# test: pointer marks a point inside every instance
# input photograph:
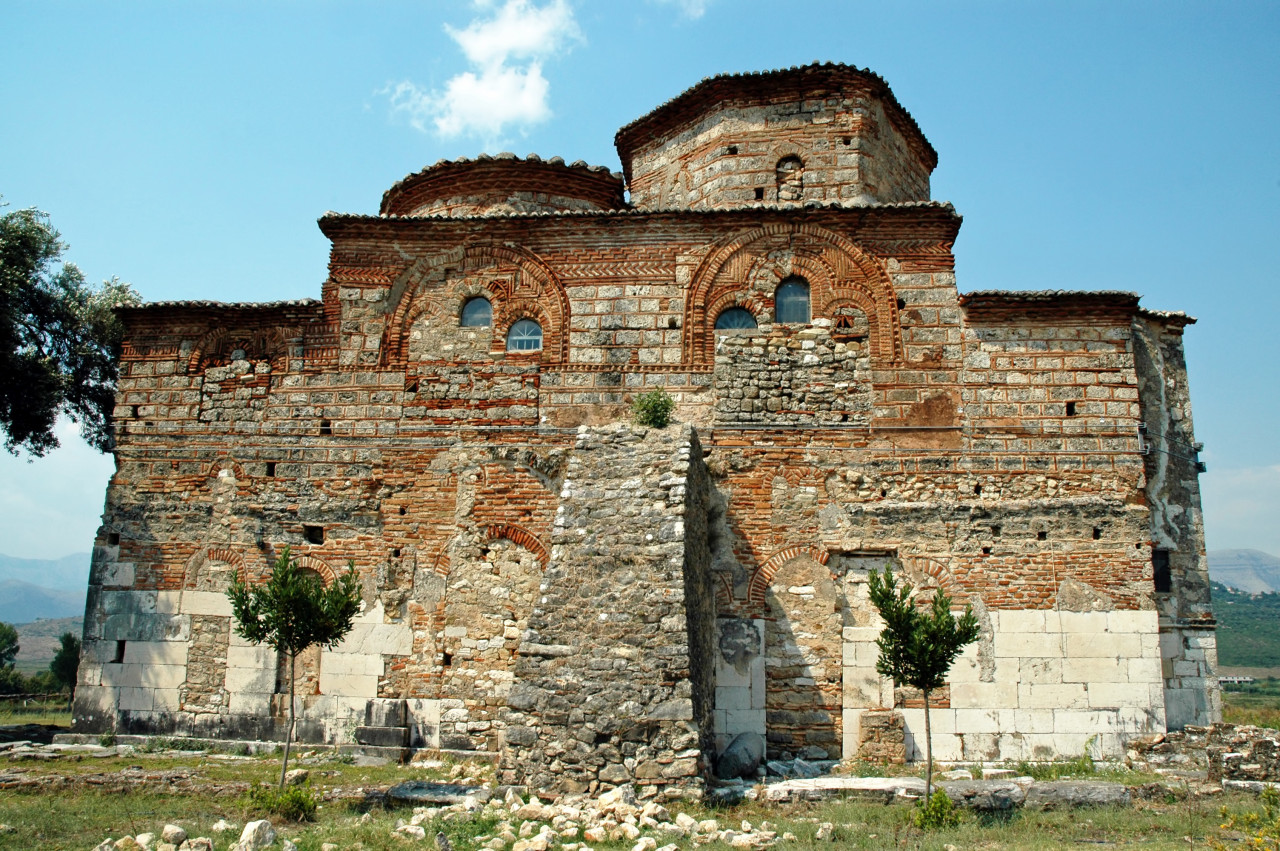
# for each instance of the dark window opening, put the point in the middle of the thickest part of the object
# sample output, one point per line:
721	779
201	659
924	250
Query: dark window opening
477	313
734	319
995	531
119	655
1097	533
977	490
1071	409
446	658
846	141
986	551
403	511
113	538
313	534
1042	535
411	386
326	427
1160	571
791	301
395	553
271	468
673	322
902	304
759	193
883	493
733	149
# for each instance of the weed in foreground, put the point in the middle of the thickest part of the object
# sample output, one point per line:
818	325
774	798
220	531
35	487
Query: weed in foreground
936	812
292	803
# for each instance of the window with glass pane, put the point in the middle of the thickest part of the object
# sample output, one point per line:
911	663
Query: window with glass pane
735	318
791	301
477	313
524	336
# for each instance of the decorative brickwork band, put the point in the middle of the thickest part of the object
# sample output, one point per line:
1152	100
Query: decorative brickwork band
261	344
745	268
763	575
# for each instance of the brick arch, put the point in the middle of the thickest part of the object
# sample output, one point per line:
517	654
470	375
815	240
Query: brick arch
226	463
758	587
853	275
538	286
935	569
203	555
267	344
522	537
308	562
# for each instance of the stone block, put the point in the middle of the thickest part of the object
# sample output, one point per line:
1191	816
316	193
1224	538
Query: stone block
352	685
983	720
1133	621
135	699
1095	670
205	603
1051	696
251	680
377	639
341	664
1144	670
156	653
1002	694
385	712
1018	621
166	700
167	602
1021	644
382	737
1103	644
734	698
1091	623
252	656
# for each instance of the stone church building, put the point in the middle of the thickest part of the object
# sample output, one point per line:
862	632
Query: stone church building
594	603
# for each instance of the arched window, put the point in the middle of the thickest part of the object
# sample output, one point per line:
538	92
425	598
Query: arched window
477	313
790	176
525	336
734	319
791	301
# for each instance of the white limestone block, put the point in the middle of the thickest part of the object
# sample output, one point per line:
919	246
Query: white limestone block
1084	622
361	664
861	689
1028	721
165	699
981	720
120	574
965	670
378	638
1020	621
348	685
1105	644
744	720
256	656
249	703
1018	644
1031	670
1095	670
861	634
1051	696
1144	670
148	676
205	603
251	680
942	720
1002	694
1133	621
1118	694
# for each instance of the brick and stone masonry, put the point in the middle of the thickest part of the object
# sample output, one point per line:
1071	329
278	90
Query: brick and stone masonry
595	603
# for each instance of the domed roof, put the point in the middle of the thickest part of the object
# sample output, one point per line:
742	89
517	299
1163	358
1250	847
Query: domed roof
504	184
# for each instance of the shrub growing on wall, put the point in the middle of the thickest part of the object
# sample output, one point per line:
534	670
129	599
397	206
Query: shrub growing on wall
653	409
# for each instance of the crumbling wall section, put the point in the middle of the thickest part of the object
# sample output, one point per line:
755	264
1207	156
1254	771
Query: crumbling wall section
607	691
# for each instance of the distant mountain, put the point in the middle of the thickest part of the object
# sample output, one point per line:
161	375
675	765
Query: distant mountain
39	641
69	573
1248	570
22	602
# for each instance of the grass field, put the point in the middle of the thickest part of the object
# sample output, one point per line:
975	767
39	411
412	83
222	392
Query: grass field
79	815
34	712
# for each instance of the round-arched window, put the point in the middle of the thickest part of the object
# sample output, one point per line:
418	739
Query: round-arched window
477	313
734	319
791	301
525	336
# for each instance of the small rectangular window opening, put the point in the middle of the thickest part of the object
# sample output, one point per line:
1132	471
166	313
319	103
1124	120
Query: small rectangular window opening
113	539
119	654
1097	533
326	427
733	149
446	658
313	534
986	551
759	193
395	553
411	386
1071	409
995	531
1160	572
1042	535
846	141
271	468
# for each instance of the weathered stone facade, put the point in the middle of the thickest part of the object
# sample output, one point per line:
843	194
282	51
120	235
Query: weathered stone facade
597	603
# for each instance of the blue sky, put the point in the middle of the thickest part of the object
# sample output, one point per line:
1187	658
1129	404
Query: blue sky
189	148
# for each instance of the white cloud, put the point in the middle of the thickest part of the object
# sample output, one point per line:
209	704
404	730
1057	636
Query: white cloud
692	9
1240	508
505	86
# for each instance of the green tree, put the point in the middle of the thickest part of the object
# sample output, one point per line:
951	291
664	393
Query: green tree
918	647
66	662
59	338
8	645
292	611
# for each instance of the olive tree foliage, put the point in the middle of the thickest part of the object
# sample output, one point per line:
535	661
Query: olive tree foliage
291	611
66	662
8	644
918	646
59	338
